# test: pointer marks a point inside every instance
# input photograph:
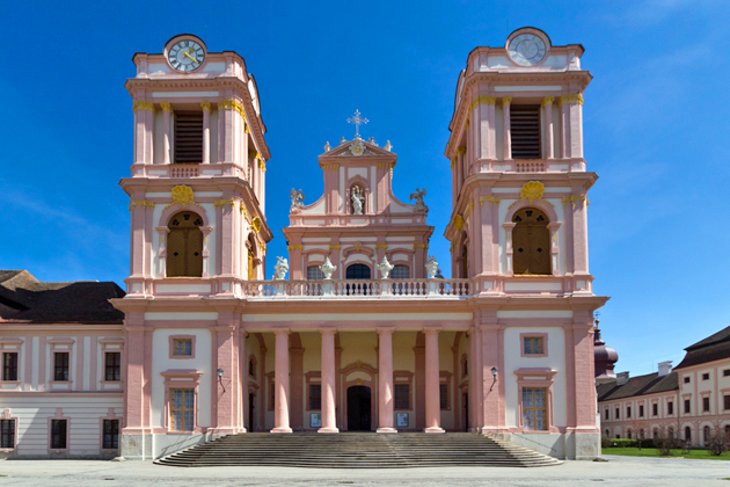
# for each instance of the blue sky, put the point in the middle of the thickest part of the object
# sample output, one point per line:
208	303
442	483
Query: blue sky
656	130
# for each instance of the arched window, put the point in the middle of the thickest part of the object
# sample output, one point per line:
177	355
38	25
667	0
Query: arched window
687	434
628	434
185	245
399	271
357	271
706	435
531	242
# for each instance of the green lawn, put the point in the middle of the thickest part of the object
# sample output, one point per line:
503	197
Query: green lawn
653	452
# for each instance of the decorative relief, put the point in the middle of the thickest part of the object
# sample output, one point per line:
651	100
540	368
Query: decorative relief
469	208
232	105
488	199
482	100
297	199
330	167
256	224
143	105
419	246
298	247
166	106
576	98
458	222
243	211
532	190
219	203
357	148
506	100
182	195
381	246
573	199
142	203
205	106
335	246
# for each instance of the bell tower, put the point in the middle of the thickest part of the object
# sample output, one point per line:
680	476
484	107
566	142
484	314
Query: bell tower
519	179
197	188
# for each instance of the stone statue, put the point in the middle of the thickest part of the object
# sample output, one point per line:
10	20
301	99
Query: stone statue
357	199
432	267
418	196
281	268
384	268
297	199
328	268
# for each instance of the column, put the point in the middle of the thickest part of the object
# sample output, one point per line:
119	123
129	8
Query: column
385	381
329	421
487	134
547	128
281	382
205	106
492	340
227	393
506	129
166	132
433	405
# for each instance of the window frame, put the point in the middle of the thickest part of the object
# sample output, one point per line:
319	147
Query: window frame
541	338
14	422
104	433
58	370
116	367
187	380
172	339
5	354
536	378
403	378
66	436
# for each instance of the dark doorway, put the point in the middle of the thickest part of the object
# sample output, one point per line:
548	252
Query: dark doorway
358	408
465	399
251	410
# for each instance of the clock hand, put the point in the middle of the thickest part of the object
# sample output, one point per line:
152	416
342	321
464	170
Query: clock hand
187	53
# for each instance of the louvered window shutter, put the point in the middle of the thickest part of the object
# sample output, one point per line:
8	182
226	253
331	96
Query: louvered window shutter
188	137
525	131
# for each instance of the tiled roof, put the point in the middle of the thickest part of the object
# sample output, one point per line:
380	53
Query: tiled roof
638	386
24	298
714	347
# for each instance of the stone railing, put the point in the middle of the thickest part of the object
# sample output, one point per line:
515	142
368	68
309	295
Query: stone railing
359	288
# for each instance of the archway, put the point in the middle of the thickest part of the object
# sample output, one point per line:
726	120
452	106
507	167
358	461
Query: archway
358	408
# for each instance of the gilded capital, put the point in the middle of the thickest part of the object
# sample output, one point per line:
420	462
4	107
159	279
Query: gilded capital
231	105
488	199
458	222
143	105
256	224
166	106
506	100
576	98
205	106
482	100
548	100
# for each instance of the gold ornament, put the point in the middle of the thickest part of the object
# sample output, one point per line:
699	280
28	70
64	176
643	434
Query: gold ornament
183	195
532	190
256	224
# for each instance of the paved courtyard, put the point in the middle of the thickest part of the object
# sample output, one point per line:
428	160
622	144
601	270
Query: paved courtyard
618	471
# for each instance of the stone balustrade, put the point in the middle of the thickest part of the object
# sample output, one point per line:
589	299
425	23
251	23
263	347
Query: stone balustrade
359	288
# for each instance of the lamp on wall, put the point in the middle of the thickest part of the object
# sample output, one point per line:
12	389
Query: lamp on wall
495	371
219	372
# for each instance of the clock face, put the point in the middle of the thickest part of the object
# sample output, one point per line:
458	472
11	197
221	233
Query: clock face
527	49
186	55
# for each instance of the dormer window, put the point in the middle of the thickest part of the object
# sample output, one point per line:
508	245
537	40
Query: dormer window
525	131
188	137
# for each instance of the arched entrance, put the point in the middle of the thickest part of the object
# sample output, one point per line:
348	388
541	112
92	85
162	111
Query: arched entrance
358	408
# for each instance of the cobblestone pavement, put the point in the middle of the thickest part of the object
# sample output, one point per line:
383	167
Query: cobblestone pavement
617	471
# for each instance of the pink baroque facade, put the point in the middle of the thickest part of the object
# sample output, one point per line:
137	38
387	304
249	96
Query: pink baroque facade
364	334
690	403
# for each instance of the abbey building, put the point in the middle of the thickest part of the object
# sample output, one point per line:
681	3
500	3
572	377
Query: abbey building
358	331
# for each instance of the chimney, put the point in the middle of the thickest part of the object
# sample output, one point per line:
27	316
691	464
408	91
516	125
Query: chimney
665	368
622	378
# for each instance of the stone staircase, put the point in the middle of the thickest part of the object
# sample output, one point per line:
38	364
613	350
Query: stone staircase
357	450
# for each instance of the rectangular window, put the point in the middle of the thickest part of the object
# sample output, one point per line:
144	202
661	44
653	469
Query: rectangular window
705	404
182	347
402	393
315	397
686	379
706	376
534	408
112	366
444	396
641	410
628	411
670	408
60	366
188	136
618	415
655	409
10	366
7	433
687	406
533	345
525	131
726	373
726	402
58	434
182	409
605	414
111	434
